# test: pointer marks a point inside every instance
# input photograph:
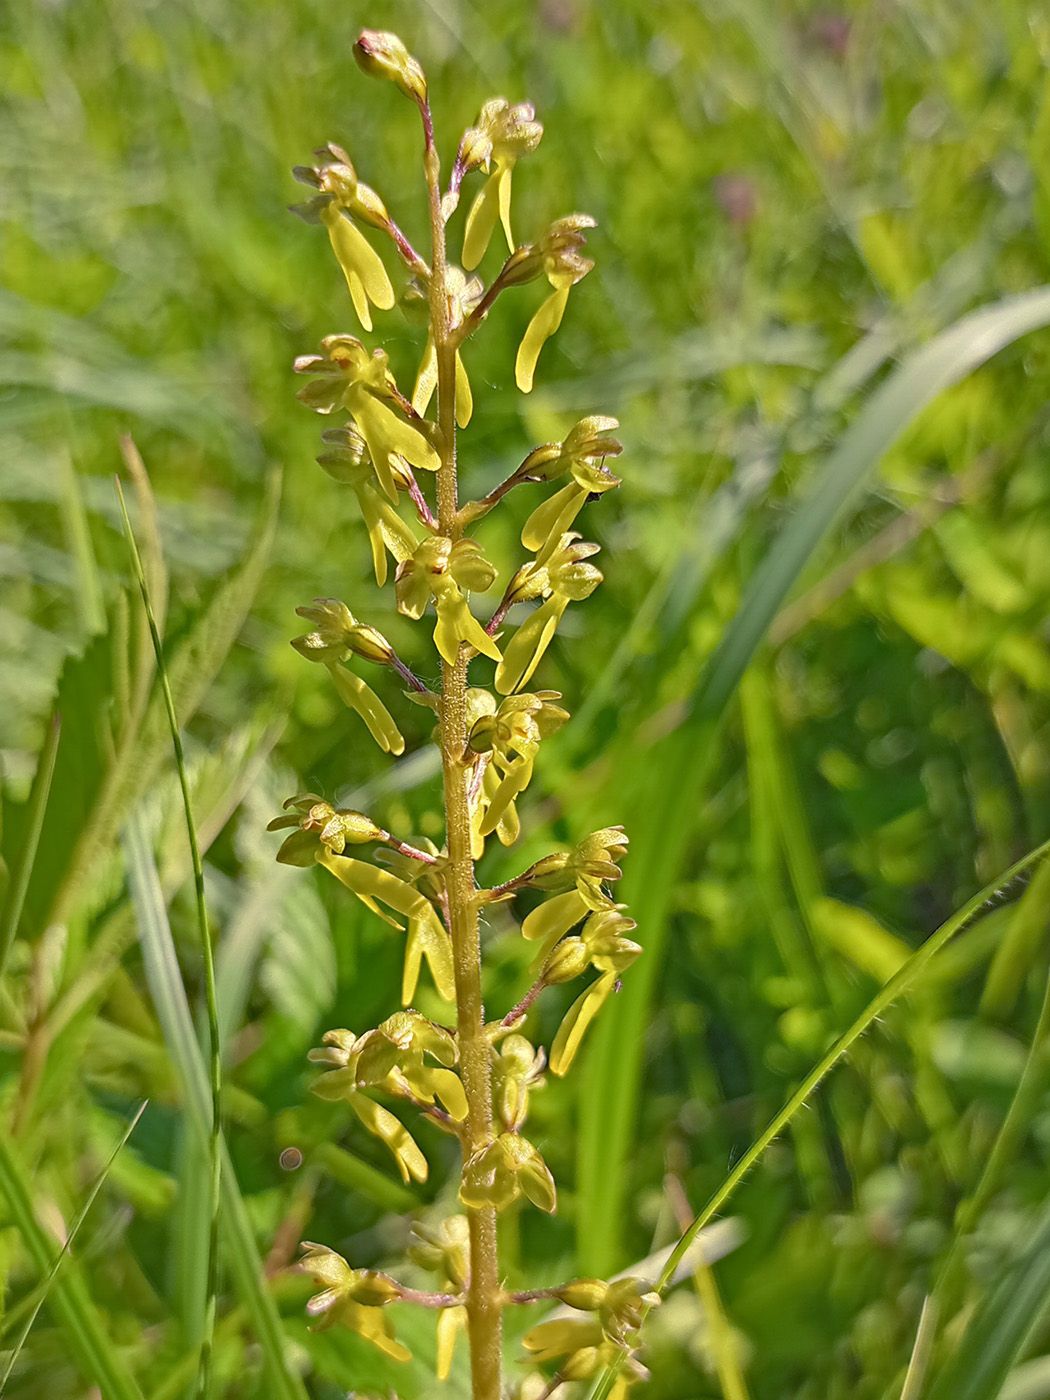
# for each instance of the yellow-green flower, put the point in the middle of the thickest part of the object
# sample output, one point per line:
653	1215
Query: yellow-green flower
517	1068
340	1052
346	460
464	293
583	453
559	257
509	1167
341	203
340	635
441	570
512	734
564	578
352	1298
351	378
503	134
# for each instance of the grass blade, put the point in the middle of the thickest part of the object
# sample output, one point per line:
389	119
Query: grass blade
173	1012
94	1352
947	359
207	953
56	1263
979	1365
23	866
613	1061
901	982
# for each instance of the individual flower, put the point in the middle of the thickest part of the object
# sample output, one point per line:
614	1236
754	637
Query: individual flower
517	1068
582	453
445	1250
559	258
508	1167
353	1298
427	936
351	378
590	1344
342	202
442	570
339	1052
316	821
397	1056
512	734
338	636
503	134
346	459
565	577
464	293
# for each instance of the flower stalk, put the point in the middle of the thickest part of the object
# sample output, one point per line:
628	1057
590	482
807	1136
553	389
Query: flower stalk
471	1077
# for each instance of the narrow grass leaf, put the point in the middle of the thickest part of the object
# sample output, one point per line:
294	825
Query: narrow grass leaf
208	957
69	1300
1005	1318
925	374
678	766
18	882
56	1263
173	1012
894	988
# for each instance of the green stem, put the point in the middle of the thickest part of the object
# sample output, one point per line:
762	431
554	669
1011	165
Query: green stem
484	1296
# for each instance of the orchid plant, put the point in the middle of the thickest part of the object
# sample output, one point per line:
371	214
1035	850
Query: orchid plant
471	1074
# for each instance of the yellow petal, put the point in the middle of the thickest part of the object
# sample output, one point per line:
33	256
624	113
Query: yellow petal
481	221
555	916
378	1120
514	782
579	1016
451	1321
427	938
385	434
540	329
549	521
456	623
426	379
503	185
362	266
360	697
464	398
525	649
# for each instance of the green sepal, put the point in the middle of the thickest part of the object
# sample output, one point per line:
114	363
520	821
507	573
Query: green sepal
300	848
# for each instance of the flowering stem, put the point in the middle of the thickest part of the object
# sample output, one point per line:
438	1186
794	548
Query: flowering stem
484	1296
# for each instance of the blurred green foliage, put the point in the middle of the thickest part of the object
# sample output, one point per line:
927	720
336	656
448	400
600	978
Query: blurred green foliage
789	198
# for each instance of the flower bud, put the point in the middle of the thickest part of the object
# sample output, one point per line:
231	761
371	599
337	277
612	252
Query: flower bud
568	960
587	1294
383	55
370	645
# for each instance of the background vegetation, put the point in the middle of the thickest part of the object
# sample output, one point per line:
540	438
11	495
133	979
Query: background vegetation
791	199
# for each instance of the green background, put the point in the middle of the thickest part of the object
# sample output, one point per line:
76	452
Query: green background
790	200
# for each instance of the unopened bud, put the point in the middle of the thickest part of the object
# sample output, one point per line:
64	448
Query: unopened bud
568	960
370	645
587	1294
383	55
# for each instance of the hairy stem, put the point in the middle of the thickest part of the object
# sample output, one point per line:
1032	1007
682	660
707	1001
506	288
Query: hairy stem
484	1296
